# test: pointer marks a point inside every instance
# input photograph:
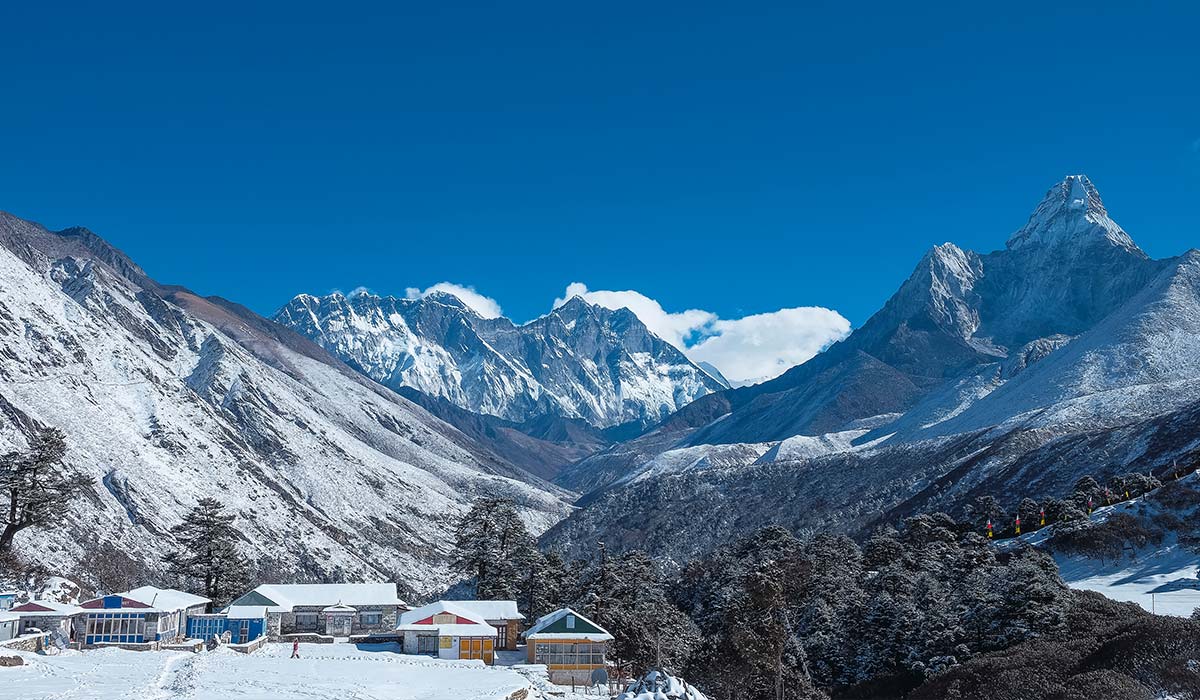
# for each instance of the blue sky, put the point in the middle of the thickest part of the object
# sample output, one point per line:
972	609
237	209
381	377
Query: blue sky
735	158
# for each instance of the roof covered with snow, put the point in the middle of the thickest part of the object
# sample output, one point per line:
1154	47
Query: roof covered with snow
46	608
246	612
453	630
565	623
491	609
283	597
164	599
449	607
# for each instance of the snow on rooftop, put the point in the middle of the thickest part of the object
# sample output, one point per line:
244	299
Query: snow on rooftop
453	630
46	608
491	609
246	612
165	599
442	606
534	632
290	595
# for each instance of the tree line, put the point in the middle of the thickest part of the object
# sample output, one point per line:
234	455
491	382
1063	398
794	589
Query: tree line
772	616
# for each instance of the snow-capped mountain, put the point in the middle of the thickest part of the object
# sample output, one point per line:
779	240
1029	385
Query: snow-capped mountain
166	397
579	361
1009	374
1066	269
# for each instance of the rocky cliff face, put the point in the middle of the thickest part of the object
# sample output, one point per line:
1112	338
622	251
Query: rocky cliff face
578	362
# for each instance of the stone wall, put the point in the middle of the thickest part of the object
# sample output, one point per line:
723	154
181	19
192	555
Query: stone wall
249	647
28	642
308	638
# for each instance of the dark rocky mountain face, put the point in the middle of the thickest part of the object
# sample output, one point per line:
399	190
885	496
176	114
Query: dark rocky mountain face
579	362
1009	374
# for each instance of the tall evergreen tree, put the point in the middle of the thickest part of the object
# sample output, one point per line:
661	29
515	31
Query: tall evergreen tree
207	558
37	485
492	546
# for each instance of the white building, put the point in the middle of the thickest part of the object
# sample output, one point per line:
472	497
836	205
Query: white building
448	630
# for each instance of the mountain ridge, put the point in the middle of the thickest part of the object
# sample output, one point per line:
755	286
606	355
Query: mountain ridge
579	361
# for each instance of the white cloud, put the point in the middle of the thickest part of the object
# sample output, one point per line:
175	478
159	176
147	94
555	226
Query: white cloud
762	346
486	307
745	350
675	328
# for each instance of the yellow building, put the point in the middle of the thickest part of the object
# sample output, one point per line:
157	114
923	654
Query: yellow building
571	646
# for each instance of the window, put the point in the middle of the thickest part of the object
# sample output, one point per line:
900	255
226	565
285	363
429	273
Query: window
427	644
371	618
118	628
306	620
502	638
567	654
570	622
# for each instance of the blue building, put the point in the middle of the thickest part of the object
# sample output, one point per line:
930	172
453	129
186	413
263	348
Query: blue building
144	616
244	623
7	600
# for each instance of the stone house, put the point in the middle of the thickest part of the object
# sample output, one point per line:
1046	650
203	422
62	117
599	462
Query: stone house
332	610
49	616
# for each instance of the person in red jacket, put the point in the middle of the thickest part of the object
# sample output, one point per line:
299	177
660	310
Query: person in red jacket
296	649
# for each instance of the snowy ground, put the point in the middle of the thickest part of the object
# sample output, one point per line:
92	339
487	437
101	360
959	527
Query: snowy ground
1161	580
324	671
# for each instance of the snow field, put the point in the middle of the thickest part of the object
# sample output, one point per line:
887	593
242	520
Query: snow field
324	671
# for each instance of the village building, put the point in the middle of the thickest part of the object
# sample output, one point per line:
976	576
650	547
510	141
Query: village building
571	646
143	618
448	630
325	609
48	616
501	614
243	623
8	599
9	624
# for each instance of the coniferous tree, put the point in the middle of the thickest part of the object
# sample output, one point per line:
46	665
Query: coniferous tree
626	596
35	486
207	559
492	546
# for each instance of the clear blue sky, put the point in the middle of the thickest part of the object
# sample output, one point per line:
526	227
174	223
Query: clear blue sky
733	157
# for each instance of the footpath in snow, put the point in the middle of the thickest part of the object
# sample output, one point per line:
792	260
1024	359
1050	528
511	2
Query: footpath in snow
324	671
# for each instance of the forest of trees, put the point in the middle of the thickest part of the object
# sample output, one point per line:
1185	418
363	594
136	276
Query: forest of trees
772	616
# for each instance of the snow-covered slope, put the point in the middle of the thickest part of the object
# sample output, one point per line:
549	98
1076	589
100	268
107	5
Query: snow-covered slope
1067	269
167	401
1009	374
578	361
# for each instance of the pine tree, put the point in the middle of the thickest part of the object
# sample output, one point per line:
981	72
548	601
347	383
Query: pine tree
37	484
546	583
207	559
493	547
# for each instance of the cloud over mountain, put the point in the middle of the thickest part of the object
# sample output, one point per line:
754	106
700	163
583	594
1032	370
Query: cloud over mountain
745	350
486	307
